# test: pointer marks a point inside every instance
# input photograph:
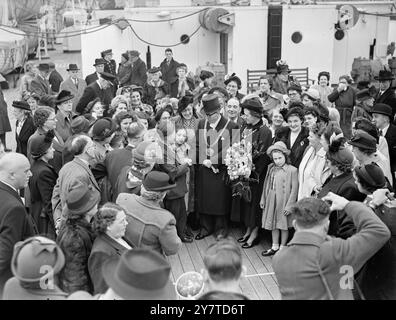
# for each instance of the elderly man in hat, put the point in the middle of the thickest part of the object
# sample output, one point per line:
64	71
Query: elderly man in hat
139	274
139	70
64	114
149	225
15	223
35	264
75	172
99	68
386	93
74	84
40	84
155	88
215	134
55	79
382	117
364	147
101	88
314	266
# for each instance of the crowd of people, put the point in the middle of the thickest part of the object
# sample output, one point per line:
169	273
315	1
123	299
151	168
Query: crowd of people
113	172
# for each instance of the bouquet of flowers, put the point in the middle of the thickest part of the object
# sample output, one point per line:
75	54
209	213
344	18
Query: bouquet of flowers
239	167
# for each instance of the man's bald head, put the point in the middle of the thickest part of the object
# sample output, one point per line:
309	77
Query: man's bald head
15	170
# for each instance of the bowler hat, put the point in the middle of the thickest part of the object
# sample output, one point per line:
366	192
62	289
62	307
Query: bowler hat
40	144
63	96
384	75
107	76
234	77
134	53
103	128
43	67
79	124
372	175
72	67
139	274
253	105
382	108
106	52
278	146
21	105
32	254
99	62
154	70
81	198
362	140
157	181
211	103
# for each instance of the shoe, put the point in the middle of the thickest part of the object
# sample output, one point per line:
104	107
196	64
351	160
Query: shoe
187	239
200	236
246	245
243	239
269	252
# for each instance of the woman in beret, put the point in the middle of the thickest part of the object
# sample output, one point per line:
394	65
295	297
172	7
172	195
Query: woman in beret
24	125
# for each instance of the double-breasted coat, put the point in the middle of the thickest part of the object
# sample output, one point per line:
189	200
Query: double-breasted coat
41	185
76	90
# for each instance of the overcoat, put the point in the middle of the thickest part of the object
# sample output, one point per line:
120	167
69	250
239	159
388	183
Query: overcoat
389	98
76	91
26	132
5	125
169	71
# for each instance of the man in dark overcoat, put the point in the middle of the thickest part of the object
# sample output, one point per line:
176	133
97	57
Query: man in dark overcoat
386	93
139	70
214	135
168	67
99	68
15	223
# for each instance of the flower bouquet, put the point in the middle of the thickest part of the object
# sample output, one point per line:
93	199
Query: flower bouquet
239	168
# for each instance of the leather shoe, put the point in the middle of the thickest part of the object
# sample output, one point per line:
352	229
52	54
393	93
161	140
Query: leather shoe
200	236
243	239
269	252
187	239
248	245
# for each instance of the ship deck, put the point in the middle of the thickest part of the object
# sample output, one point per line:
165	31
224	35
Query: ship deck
255	286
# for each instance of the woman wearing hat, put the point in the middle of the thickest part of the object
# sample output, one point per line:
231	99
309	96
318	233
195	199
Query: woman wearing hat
182	84
33	262
33	101
294	135
42	183
45	120
313	170
64	114
233	85
24	125
323	87
344	98
155	88
109	225
379	276
76	237
341	181
260	136
95	109
149	225
282	78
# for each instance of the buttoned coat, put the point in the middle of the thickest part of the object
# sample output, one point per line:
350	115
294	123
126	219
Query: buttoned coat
298	266
73	173
104	248
26	132
15	225
76	91
149	225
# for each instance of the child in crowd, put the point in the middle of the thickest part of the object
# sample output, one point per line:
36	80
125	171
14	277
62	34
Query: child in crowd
279	193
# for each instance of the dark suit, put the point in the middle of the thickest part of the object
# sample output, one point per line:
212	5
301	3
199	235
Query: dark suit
299	146
42	88
41	185
389	98
92	92
55	80
91	78
103	249
15	225
390	137
138	73
22	138
169	71
174	87
115	161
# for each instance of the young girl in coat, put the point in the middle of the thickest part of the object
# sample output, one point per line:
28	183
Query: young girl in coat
279	193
